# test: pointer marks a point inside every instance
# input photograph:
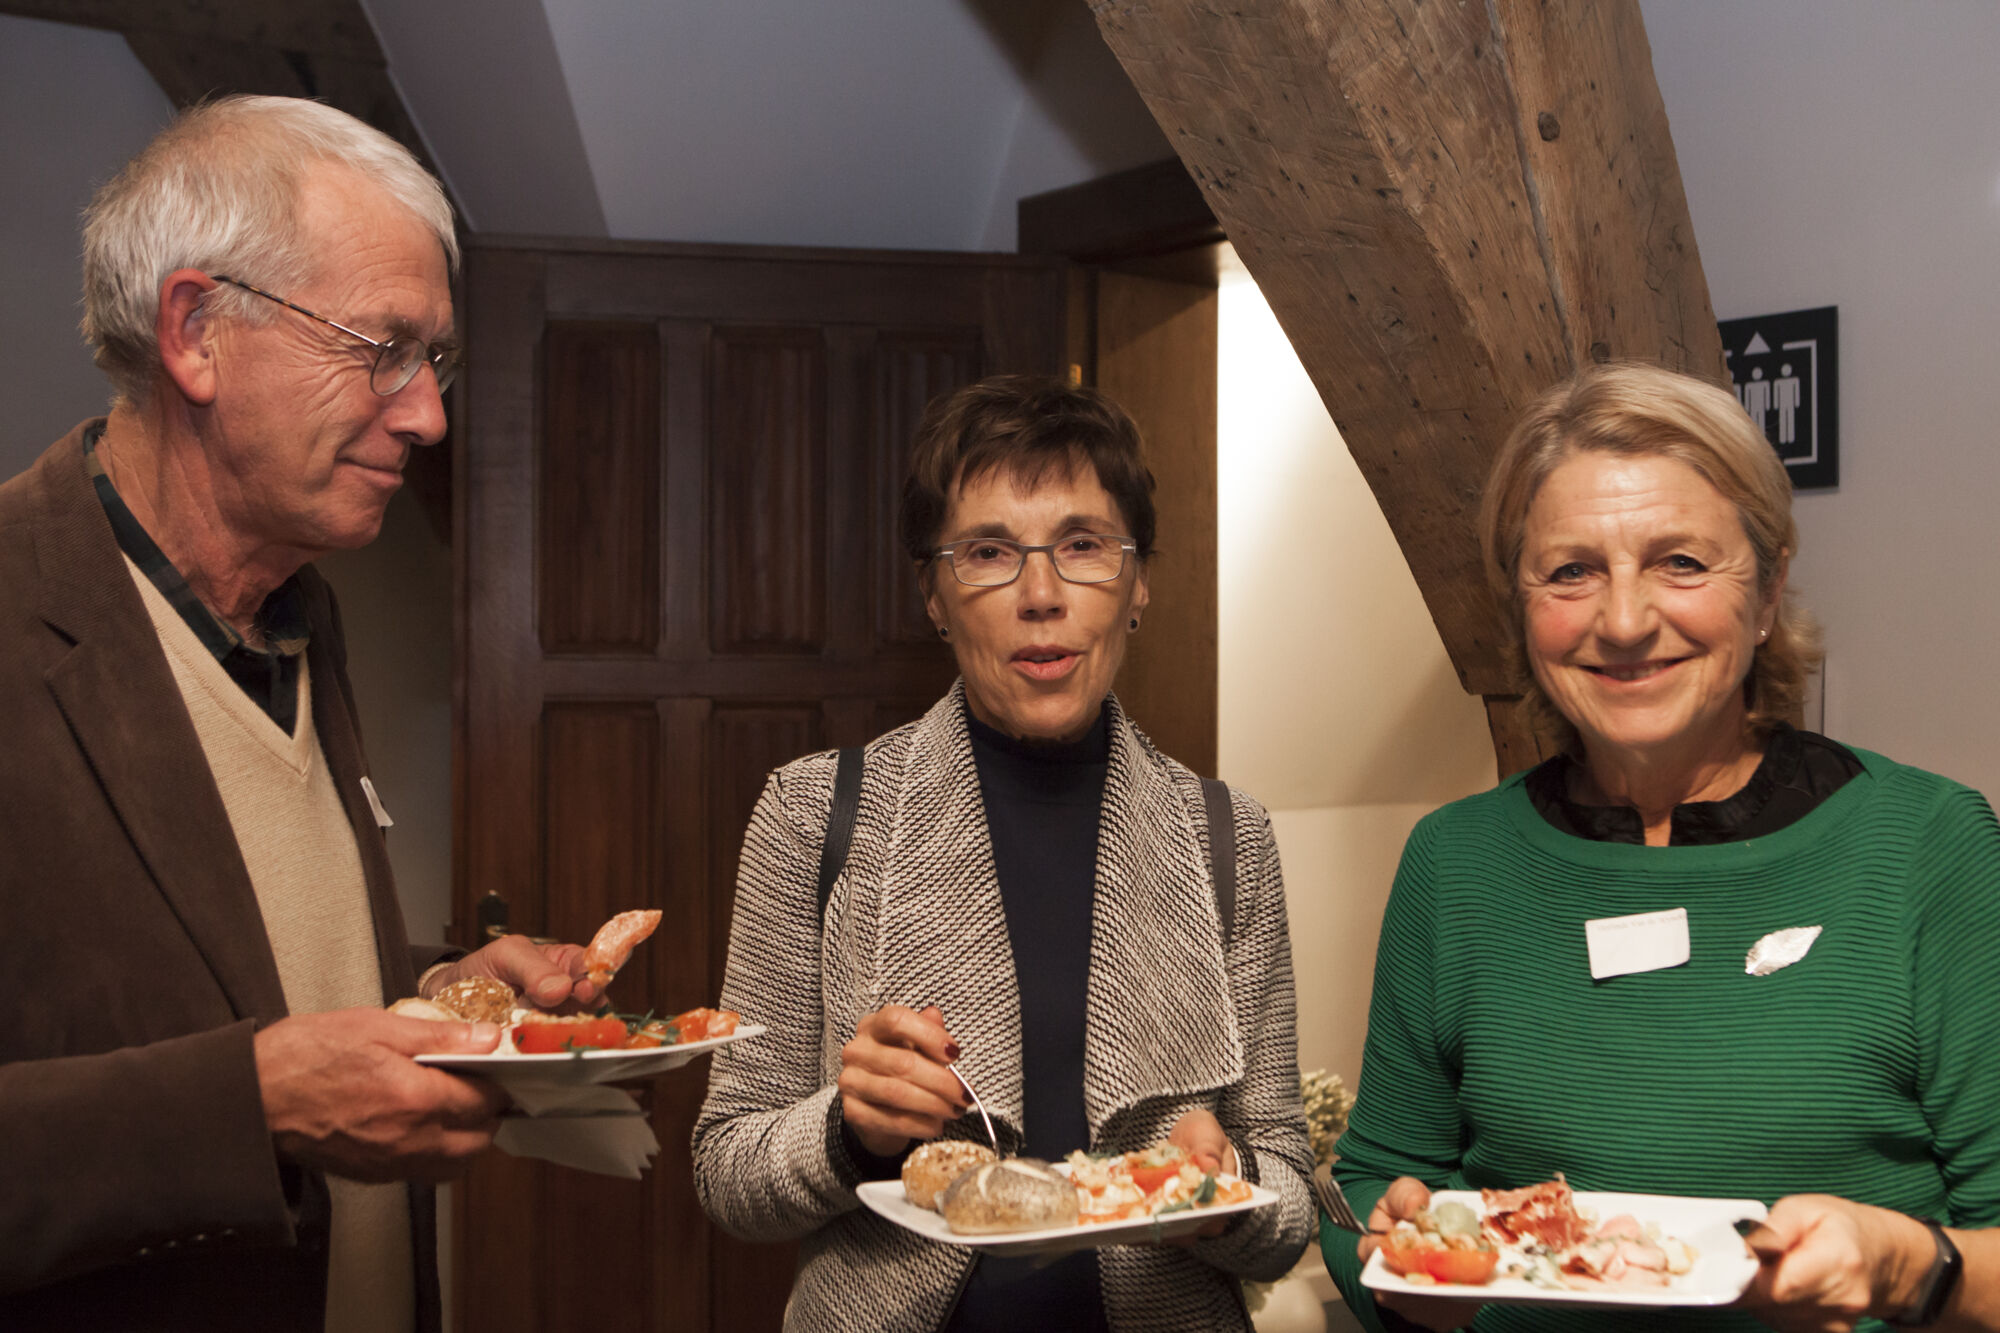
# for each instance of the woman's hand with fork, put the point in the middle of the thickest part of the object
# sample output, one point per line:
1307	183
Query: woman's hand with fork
896	1083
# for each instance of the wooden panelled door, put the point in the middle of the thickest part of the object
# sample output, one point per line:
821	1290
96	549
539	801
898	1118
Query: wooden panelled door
675	506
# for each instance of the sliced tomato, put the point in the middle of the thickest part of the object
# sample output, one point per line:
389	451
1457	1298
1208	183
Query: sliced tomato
703	1024
547	1038
607	1033
1473	1268
1150	1178
1403	1258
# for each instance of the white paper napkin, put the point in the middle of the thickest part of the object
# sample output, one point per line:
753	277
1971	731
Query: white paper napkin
587	1128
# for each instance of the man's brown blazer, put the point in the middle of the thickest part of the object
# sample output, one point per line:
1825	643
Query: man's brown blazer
138	1184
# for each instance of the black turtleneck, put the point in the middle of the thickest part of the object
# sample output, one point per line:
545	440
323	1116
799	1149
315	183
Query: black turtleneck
1042	805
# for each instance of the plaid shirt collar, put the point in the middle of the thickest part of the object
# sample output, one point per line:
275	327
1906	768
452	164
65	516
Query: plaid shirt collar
283	615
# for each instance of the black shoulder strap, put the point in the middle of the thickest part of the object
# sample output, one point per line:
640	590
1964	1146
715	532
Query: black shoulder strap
1221	851
840	821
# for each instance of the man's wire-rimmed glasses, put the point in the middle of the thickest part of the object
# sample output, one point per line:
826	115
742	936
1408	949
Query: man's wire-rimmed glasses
396	360
994	562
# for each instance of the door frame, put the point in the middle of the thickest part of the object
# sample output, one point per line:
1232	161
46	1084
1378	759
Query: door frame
1144	250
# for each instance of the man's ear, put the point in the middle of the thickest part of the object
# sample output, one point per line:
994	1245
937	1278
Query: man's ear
186	335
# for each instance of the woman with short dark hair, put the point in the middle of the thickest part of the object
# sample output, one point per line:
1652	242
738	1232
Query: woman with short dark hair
1030	894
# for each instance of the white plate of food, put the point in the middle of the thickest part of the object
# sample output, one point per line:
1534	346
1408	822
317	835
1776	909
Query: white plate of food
1552	1246
544	1050
577	1067
1134	1224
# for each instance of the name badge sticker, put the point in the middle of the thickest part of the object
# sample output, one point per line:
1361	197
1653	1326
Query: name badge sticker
1622	945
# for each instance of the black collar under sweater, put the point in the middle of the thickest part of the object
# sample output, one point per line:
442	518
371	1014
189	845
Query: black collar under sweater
1799	770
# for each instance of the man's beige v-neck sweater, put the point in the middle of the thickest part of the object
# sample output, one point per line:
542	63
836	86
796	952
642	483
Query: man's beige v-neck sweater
306	871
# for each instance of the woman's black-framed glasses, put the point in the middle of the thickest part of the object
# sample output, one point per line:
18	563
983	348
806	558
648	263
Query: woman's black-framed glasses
994	562
396	360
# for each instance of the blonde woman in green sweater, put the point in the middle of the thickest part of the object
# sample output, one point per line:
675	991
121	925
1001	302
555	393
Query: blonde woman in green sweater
1638	529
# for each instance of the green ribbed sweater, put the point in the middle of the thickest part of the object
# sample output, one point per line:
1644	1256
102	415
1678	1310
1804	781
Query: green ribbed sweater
1870	1069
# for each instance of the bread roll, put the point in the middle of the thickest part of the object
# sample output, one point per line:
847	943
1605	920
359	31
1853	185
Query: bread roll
1019	1194
477	1000
930	1168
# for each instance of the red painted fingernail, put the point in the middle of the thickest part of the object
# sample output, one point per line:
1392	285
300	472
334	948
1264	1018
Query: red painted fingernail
951	1051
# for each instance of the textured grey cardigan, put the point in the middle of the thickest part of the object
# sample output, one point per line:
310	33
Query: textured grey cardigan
1171	1022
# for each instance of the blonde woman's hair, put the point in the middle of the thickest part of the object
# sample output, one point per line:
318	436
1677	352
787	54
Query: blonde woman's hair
217	190
1636	409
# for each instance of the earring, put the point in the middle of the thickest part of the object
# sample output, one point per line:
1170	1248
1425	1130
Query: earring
1133	623
943	633
1763	634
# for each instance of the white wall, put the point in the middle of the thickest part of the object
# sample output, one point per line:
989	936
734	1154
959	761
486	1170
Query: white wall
74	104
1339	709
1847	152
872	123
515	162
1080	119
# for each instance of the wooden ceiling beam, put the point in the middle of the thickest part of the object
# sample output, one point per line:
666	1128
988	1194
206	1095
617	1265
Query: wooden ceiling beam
1449	206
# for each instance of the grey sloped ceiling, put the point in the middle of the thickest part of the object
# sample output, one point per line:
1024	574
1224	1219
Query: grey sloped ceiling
881	123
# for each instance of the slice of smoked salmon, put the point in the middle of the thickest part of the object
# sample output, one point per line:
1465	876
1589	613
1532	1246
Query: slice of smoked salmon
614	941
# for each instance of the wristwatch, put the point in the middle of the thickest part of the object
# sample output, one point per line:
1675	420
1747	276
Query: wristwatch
1937	1288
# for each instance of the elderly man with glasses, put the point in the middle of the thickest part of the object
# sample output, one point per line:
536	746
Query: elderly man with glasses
211	1121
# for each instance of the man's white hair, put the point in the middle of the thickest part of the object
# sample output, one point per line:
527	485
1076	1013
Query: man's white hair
217	190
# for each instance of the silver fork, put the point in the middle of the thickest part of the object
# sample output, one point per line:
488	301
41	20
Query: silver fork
1327	1194
977	1106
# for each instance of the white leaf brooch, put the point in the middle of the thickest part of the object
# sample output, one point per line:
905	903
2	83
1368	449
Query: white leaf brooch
1780	948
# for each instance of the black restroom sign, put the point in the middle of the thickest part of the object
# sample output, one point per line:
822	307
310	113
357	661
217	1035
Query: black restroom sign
1785	373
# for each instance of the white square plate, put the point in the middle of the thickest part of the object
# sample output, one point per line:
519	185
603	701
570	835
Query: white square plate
1723	1265
886	1198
